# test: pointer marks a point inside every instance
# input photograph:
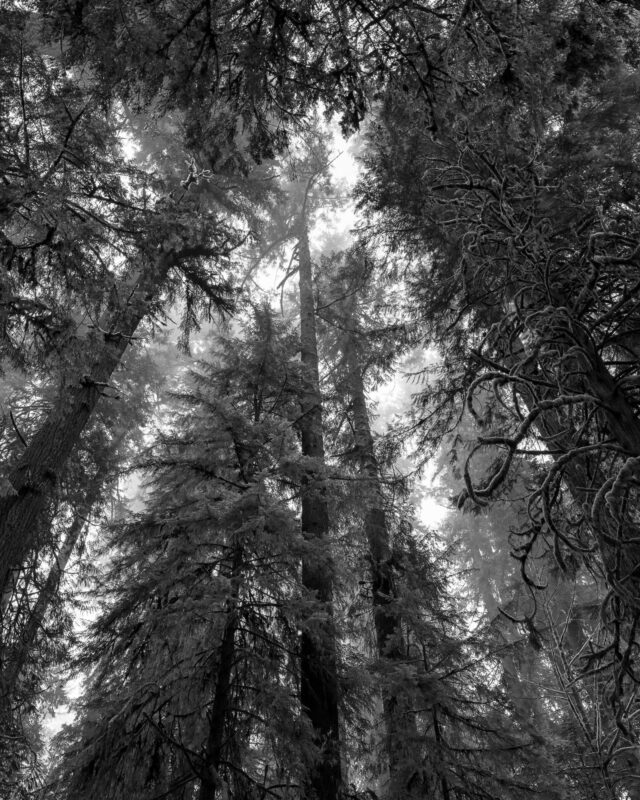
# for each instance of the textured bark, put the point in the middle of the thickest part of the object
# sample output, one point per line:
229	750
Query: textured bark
15	657
402	739
318	673
47	592
35	476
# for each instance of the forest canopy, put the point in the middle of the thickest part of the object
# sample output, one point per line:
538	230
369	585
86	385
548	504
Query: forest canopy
277	280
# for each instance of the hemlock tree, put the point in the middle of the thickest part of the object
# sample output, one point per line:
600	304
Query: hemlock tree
319	681
124	237
443	699
37	606
229	87
353	349
86	239
197	658
542	630
194	690
305	186
528	279
501	161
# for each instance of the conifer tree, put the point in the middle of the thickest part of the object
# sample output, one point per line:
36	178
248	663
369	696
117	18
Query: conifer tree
435	724
224	86
541	630
194	690
232	655
38	604
514	217
319	682
346	284
305	187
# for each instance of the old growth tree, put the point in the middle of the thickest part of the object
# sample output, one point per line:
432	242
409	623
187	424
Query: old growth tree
277	621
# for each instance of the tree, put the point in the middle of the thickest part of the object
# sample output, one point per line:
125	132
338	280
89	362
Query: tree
346	286
39	604
304	186
229	109
319	685
146	232
540	631
141	152
516	218
205	598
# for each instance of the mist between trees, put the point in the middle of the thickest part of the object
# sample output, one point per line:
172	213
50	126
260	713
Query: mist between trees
272	614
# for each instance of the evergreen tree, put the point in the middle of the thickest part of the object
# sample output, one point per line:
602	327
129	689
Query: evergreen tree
345	283
242	651
38	604
194	690
513	217
442	701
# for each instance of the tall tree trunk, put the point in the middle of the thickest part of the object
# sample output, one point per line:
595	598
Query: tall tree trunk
15	656
19	657
318	672
402	739
35	476
217	716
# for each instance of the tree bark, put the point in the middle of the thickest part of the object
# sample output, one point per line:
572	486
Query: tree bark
402	739
318	671
35	476
616	534
19	658
614	408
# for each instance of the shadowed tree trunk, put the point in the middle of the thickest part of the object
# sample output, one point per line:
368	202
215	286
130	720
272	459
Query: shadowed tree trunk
217	715
402	739
35	476
318	673
579	461
25	646
14	659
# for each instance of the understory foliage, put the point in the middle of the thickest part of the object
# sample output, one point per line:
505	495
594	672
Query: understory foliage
274	615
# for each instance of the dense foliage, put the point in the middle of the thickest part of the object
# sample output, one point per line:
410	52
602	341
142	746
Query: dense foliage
271	613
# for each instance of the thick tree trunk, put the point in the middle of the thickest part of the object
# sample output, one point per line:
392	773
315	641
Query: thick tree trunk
19	657
402	739
35	476
318	672
616	532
